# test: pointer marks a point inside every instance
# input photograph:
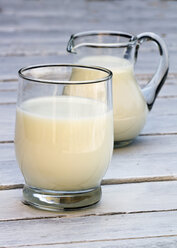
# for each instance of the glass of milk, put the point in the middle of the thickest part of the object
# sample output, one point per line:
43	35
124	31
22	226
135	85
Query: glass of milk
118	52
64	134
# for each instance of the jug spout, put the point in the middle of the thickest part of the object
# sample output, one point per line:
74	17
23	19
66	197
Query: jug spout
151	90
97	43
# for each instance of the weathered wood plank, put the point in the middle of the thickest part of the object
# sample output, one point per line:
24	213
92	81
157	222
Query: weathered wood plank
90	229
156	11
40	9
160	242
51	45
164	107
149	158
8	86
7	152
34	48
10	175
11	65
8	96
33	25
128	198
160	124
7	122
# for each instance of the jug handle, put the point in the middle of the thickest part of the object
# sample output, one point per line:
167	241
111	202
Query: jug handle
151	90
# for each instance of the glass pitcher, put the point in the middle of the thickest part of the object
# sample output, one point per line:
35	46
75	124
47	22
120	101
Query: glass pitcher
118	52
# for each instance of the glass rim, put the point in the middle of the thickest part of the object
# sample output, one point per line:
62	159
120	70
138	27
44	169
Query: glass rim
98	68
132	40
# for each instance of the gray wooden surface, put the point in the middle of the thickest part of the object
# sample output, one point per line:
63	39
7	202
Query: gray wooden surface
139	203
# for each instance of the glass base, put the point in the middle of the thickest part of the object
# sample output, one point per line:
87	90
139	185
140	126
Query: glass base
119	144
60	200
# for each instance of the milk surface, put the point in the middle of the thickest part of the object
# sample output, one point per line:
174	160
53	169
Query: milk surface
130	108
63	143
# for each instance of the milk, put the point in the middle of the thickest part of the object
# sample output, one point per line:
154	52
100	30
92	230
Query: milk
130	108
63	143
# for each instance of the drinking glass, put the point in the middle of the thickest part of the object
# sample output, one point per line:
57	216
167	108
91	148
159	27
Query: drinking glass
63	134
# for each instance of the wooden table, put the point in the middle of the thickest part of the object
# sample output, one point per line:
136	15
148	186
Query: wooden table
139	203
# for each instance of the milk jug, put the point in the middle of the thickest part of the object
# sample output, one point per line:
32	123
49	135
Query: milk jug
118	52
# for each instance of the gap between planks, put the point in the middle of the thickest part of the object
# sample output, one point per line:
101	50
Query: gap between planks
110	181
58	216
144	134
96	241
